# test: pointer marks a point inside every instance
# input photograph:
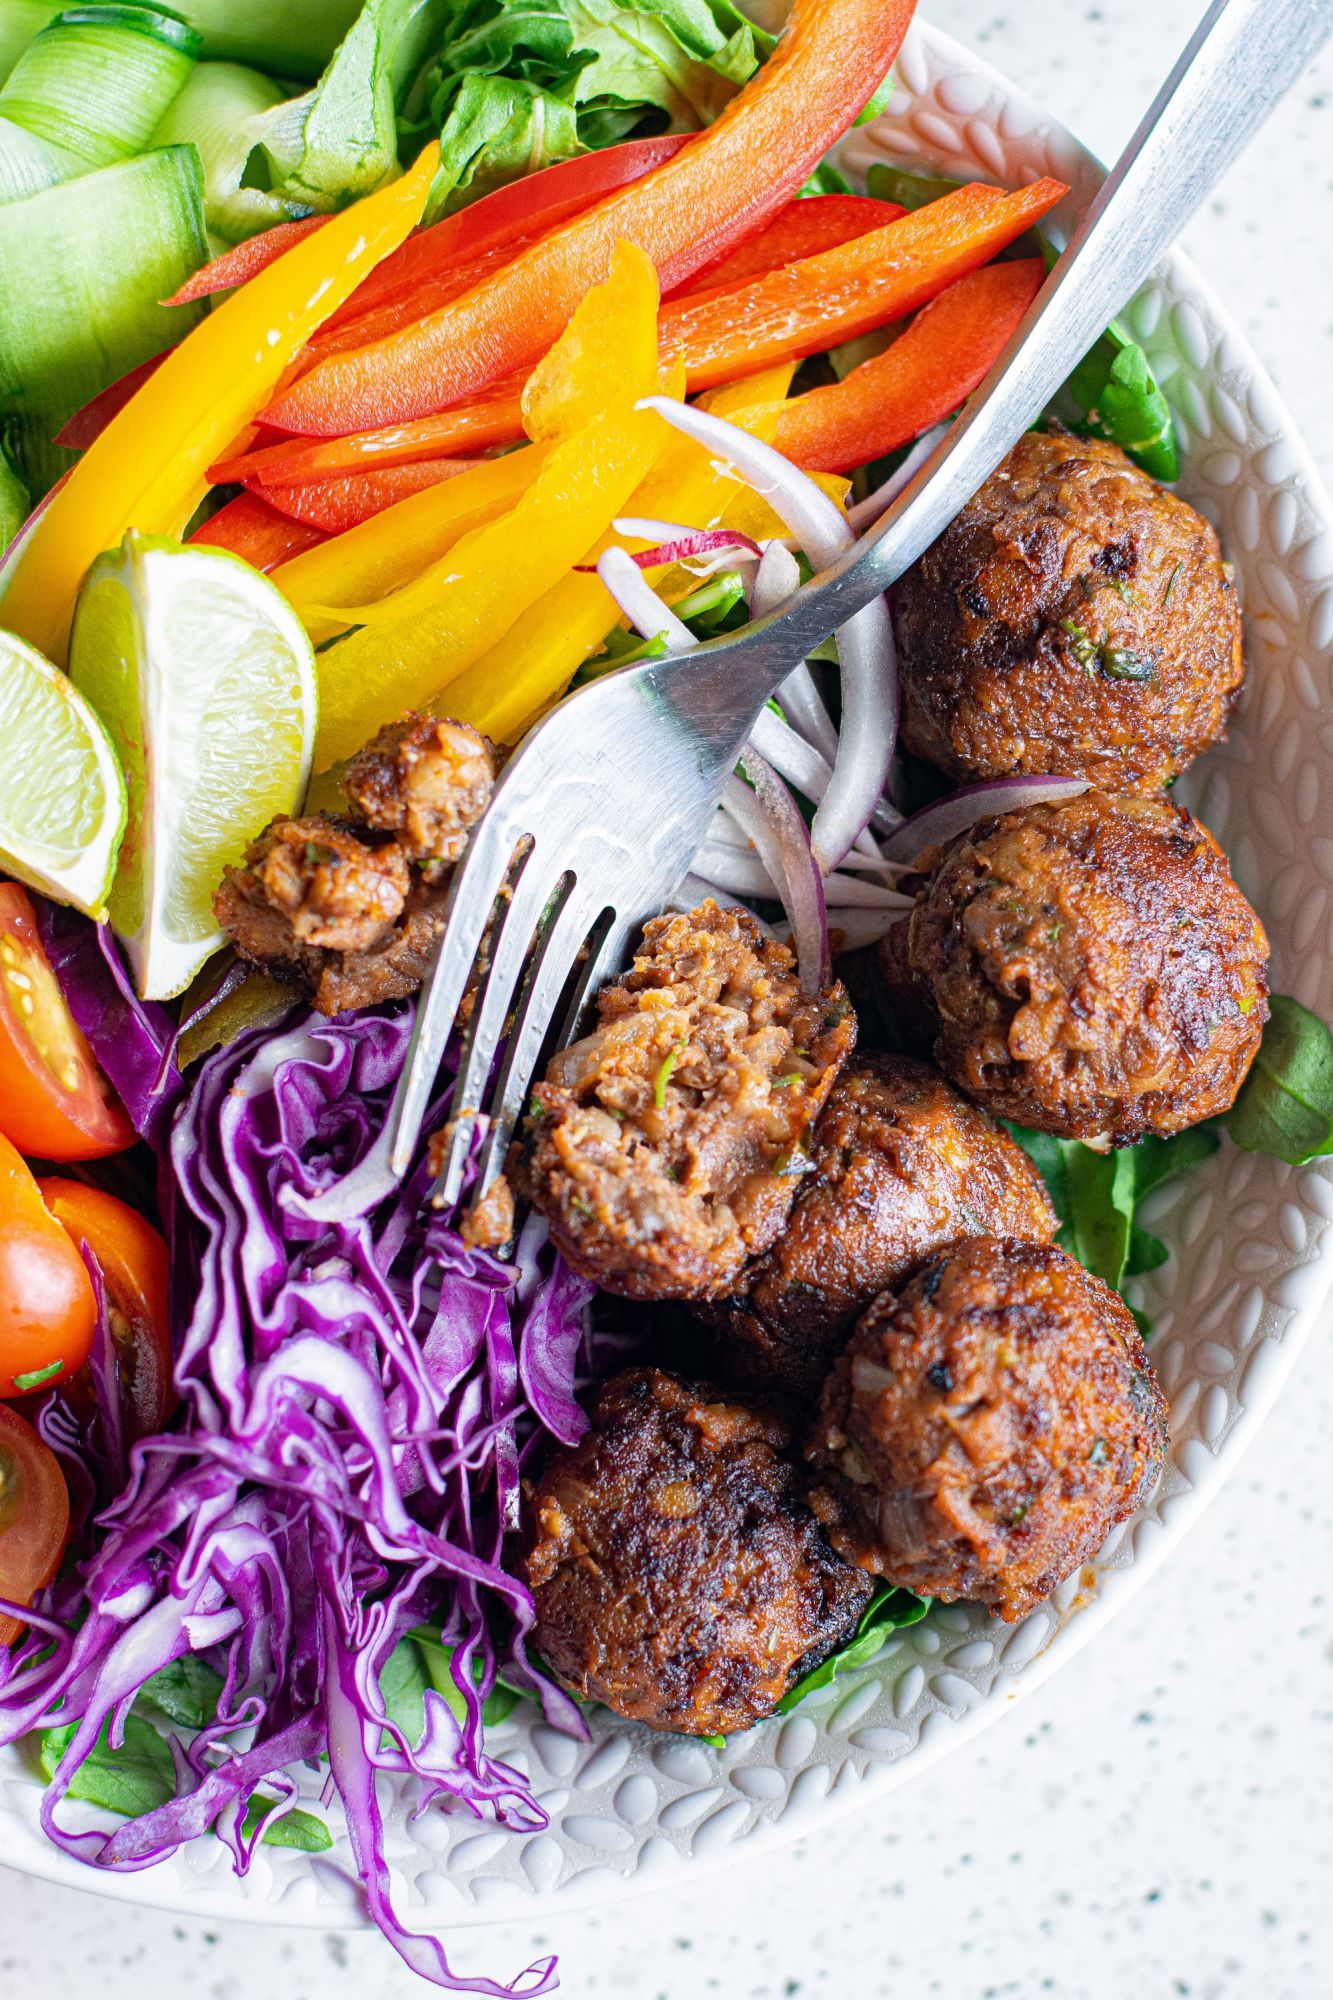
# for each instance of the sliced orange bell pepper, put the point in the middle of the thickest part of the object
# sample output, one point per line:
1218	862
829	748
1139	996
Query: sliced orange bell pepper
426	633
249	527
929	370
801	229
795	310
542	650
721	186
147	468
385	553
246	260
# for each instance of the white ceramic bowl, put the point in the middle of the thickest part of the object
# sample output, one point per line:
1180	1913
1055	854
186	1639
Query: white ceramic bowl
1243	1287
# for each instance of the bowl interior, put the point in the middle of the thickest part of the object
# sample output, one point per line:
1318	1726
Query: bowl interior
1246	1277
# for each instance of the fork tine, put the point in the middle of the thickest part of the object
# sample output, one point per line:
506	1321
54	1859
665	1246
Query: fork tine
476	884
564	927
536	900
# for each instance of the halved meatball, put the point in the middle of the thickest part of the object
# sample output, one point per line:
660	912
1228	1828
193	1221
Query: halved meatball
988	1426
667	1146
678	1576
425	781
1074	617
1095	969
903	1164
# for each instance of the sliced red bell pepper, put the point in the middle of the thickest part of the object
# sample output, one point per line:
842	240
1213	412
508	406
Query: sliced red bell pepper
821	301
79	430
800	309
802	229
333	505
496	417
250	527
929	370
245	260
723	185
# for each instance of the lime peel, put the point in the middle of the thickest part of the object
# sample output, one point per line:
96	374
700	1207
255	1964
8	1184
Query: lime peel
62	791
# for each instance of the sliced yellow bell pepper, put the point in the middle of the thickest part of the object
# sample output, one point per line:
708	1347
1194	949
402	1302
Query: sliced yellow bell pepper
610	343
421	637
394	547
543	650
147	469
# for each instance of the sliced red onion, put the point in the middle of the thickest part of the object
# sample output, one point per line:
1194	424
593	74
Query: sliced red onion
769	815
866	512
791	756
853	892
688	545
947	818
777	578
803	705
866	657
861	927
737	870
645	528
640	602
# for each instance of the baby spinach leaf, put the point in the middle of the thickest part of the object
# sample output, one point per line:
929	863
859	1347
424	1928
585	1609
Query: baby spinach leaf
905	186
403	1684
888	1610
186	1691
298	1829
1285	1106
136	1778
1115	387
437	1659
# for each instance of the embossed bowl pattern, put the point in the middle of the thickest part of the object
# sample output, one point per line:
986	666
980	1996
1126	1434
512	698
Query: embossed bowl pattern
1248	1273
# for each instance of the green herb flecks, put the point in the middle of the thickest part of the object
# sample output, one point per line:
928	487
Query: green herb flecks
36	1376
664	1074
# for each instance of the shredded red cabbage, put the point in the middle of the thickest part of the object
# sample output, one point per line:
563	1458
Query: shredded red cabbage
357	1395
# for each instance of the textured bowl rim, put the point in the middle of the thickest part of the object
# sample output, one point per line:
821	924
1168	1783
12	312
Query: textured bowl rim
942	1732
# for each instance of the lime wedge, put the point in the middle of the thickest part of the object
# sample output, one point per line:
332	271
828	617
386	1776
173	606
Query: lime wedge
62	796
205	678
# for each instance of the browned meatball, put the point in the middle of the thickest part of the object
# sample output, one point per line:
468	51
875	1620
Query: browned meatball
426	782
396	967
1096	971
903	1165
1075	617
311	883
988	1426
677	1575
667	1146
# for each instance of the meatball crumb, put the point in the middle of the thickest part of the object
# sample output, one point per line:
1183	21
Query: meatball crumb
426	782
987	1427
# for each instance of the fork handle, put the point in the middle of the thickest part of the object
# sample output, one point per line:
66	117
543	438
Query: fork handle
1244	56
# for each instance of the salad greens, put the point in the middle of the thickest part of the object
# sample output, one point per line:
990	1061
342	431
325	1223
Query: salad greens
1115	388
888	1611
13	501
1285	1107
518	84
1097	1195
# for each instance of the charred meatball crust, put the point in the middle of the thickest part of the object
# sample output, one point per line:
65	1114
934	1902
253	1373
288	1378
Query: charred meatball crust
1075	617
667	1145
425	781
988	1426
677	1575
1095	969
903	1164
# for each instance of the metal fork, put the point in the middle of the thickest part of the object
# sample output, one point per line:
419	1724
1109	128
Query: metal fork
596	816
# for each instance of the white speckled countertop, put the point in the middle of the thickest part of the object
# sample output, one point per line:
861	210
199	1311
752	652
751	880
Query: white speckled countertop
1136	1826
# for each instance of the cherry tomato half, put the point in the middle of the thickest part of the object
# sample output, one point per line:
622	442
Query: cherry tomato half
133	1260
34	1516
48	1313
53	1098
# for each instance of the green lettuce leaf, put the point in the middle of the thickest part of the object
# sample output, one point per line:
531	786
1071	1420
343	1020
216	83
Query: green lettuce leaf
135	1779
186	1691
301	1830
518	84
